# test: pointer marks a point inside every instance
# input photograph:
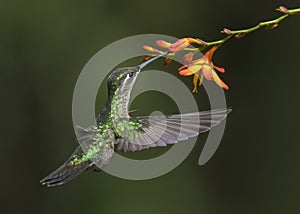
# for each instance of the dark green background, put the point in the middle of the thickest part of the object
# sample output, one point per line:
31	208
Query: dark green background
44	46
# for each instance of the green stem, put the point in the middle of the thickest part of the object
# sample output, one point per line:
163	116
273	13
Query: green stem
268	24
218	42
240	33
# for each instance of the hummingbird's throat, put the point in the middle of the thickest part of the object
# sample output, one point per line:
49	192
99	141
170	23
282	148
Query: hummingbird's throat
119	104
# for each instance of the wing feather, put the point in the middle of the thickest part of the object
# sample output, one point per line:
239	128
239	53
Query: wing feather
164	130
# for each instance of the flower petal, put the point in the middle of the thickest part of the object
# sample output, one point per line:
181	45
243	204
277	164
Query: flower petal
209	54
182	67
207	71
222	70
190	70
201	79
187	58
195	82
186	72
219	81
202	60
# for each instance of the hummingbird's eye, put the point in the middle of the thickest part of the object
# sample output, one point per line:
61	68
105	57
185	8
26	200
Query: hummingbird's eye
130	74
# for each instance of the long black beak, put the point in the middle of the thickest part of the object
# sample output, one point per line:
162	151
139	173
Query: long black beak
141	66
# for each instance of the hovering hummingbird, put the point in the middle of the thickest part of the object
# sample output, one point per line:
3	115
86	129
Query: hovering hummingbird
116	130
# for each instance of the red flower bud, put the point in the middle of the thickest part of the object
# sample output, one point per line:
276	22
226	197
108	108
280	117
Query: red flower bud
163	44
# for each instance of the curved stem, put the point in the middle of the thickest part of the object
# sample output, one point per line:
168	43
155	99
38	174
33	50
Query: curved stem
268	24
243	32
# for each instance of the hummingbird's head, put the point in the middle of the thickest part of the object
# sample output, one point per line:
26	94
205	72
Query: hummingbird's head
124	78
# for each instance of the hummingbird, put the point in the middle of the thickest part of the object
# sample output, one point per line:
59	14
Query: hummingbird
116	130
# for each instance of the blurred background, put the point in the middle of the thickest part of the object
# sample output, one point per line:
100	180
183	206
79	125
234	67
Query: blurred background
45	44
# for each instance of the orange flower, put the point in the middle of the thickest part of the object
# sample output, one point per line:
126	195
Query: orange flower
181	44
202	67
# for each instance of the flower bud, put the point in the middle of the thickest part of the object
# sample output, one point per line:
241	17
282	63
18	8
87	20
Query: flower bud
163	44
226	31
150	49
272	26
283	9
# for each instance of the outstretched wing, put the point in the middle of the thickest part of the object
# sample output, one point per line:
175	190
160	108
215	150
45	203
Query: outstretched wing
156	131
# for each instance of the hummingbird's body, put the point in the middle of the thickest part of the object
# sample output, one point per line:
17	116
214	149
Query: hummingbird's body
116	130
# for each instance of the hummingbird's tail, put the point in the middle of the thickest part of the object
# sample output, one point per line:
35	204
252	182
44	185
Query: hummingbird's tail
69	170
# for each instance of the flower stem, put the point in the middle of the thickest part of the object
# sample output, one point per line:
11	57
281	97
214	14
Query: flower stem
271	24
267	24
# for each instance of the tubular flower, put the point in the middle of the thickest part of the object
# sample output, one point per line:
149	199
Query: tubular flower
163	44
202	67
181	44
151	49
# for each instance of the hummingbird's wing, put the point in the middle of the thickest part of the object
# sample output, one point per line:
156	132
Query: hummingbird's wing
156	131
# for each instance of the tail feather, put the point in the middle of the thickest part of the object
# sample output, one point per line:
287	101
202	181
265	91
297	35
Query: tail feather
66	172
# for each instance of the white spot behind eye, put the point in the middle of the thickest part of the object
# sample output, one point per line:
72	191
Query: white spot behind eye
130	74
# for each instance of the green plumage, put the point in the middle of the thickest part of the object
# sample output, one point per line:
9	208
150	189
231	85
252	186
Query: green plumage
98	141
116	130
